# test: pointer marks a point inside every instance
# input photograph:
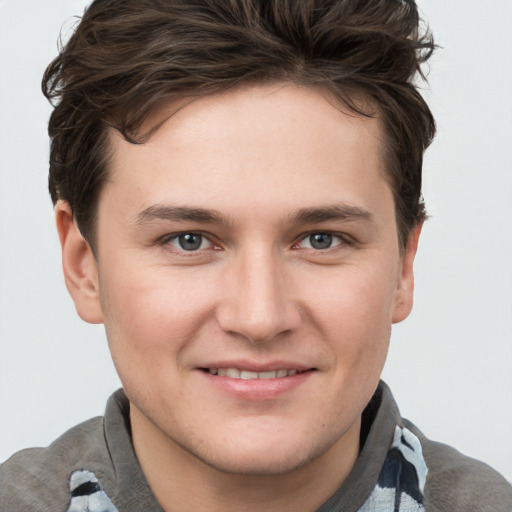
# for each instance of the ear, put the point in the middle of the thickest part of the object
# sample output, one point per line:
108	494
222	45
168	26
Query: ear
79	265
405	286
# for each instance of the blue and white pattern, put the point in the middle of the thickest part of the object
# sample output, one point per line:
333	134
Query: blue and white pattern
402	479
87	495
400	486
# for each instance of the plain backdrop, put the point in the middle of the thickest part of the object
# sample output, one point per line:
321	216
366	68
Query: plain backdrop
450	363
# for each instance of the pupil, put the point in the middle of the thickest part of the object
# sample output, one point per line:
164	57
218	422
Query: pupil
320	240
190	241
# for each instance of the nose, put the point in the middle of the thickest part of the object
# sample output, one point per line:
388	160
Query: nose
257	299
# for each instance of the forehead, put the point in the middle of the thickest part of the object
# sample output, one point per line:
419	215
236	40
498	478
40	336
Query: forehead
257	146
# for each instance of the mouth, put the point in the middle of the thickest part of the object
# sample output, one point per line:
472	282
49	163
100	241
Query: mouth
237	373
253	382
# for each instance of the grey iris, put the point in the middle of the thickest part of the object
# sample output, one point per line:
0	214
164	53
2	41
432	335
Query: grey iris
320	240
190	241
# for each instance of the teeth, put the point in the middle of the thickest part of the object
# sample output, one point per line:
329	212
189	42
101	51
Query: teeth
270	375
235	373
248	375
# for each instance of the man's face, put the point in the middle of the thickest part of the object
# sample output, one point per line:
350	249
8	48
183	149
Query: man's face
253	235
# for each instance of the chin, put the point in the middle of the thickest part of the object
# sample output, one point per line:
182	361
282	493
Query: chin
264	456
259	464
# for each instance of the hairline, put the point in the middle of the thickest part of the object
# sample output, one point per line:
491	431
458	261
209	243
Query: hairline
333	95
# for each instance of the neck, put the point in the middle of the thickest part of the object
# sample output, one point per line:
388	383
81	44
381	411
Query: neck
181	482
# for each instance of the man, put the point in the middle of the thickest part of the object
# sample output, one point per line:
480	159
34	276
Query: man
238	199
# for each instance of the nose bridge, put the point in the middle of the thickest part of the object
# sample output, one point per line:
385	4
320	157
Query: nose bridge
258	304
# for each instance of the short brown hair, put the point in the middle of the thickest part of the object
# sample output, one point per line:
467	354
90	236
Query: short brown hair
126	55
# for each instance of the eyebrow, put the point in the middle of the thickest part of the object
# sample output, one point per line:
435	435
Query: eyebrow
313	215
180	214
338	212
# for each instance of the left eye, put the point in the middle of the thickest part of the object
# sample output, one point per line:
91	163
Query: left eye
190	241
320	241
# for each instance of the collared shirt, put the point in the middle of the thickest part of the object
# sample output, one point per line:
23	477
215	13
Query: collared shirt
93	468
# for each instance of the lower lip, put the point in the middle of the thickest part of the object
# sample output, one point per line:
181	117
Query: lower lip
257	389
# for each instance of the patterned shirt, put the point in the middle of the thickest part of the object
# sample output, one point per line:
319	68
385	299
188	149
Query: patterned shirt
93	468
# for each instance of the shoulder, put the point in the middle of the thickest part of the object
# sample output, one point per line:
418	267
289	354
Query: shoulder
38	478
456	482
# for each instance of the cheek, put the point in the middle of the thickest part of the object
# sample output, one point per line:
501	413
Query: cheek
149	315
354	309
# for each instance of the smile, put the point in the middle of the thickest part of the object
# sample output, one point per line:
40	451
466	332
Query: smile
248	382
235	373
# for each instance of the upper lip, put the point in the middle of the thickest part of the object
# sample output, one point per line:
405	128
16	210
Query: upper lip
254	366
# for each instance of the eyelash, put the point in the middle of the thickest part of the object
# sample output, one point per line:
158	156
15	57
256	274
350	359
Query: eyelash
168	239
344	239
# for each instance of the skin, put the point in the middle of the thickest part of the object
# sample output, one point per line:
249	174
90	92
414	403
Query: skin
275	164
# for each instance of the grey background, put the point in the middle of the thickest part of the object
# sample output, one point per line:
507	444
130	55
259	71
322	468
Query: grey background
450	364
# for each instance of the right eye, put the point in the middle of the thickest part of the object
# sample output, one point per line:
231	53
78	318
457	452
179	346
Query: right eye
189	242
320	241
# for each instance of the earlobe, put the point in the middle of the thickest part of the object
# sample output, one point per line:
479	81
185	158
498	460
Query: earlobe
405	287
79	266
